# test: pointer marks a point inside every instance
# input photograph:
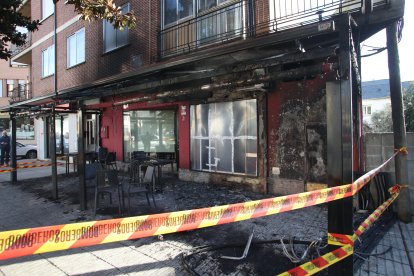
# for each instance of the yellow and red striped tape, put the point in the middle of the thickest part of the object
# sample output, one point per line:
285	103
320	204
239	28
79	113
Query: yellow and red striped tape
345	241
24	242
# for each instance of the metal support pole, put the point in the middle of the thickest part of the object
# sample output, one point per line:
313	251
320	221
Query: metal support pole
401	169
13	174
81	158
52	150
340	141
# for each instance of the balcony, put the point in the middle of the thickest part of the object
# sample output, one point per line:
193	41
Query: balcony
20	93
238	20
22	53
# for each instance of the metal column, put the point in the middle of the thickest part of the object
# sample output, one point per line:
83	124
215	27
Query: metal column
81	157
52	151
340	141
13	174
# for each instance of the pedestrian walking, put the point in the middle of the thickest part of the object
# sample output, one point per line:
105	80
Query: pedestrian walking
5	148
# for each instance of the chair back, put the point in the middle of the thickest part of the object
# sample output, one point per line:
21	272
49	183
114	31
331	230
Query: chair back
110	157
102	153
139	155
106	178
91	170
135	170
149	175
112	178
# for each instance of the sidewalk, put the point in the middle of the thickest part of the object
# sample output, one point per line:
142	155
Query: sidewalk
27	205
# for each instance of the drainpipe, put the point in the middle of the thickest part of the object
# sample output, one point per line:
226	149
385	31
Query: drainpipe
53	114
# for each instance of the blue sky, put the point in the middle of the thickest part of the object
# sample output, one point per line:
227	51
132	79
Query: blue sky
376	67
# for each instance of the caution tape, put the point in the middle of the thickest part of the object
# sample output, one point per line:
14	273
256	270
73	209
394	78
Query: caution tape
28	167
16	243
321	263
395	192
340	239
346	250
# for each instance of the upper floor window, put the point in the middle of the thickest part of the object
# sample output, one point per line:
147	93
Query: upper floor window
76	48
1	88
47	8
10	87
366	109
48	61
174	10
21	88
115	38
208	4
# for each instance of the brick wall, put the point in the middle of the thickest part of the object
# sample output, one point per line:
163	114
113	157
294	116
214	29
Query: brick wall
97	65
10	73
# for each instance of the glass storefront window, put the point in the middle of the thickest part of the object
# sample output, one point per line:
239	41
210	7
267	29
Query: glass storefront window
224	137
152	131
59	130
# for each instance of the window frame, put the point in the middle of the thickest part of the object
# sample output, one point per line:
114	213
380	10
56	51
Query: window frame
106	24
1	88
68	52
9	92
45	16
178	20
233	137
49	71
367	109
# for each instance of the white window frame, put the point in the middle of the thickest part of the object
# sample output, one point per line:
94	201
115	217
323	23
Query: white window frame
79	37
367	110
178	20
107	25
1	88
47	8
9	91
48	55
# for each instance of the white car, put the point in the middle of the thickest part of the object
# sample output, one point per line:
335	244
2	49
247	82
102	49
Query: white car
26	151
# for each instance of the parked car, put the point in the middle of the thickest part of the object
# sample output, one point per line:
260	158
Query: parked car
26	151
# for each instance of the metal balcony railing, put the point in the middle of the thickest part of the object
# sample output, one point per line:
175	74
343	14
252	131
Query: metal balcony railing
18	49
240	19
20	93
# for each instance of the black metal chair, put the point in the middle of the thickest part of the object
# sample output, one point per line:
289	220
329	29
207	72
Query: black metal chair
106	183
110	161
102	154
136	185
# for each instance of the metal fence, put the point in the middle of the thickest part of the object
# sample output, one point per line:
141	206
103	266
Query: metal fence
18	49
240	19
20	93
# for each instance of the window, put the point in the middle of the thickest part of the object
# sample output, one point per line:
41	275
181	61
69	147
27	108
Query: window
176	10
10	87
48	61
21	88
225	23
47	8
149	131
223	137
366	109
1	88
115	38
76	48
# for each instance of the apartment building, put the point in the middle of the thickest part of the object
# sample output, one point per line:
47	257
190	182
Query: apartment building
237	91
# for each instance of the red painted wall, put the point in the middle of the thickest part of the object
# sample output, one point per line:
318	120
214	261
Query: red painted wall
113	119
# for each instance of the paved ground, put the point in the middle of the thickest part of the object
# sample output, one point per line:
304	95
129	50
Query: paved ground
28	204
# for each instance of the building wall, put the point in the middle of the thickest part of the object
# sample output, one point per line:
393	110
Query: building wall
379	147
10	73
97	65
376	106
297	135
